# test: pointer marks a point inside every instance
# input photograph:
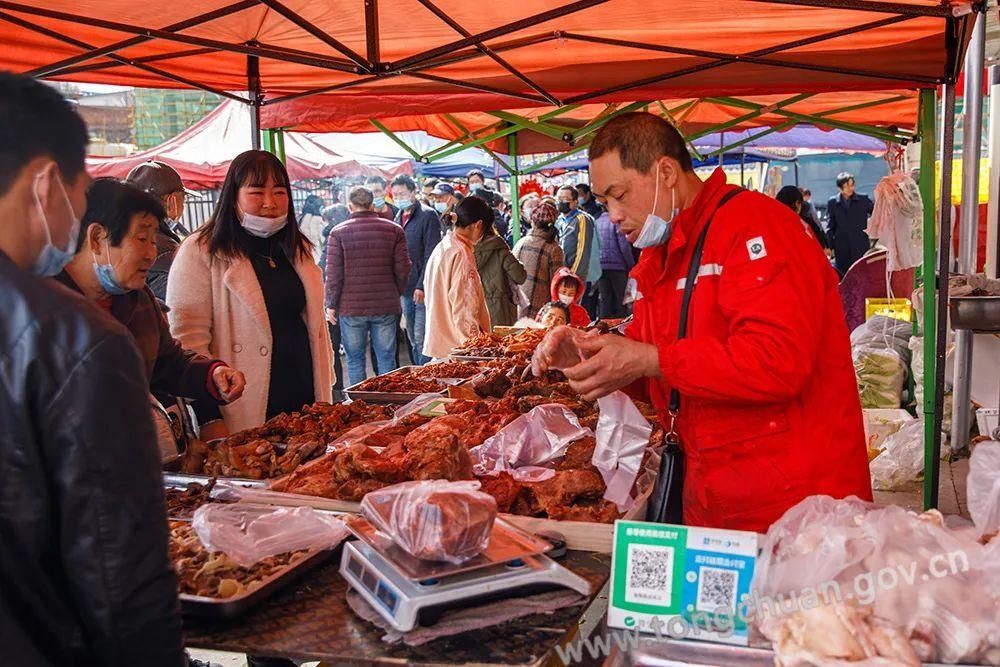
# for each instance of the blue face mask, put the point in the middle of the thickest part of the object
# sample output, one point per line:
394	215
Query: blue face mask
656	231
475	187
52	260
440	206
106	276
379	202
403	203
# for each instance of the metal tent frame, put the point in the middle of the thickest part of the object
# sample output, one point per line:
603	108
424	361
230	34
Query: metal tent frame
369	67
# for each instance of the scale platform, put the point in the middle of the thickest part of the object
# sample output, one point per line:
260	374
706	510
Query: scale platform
408	592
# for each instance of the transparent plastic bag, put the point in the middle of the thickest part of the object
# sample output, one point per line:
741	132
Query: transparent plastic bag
527	443
902	458
983	487
558	350
880	372
364	430
433	519
939	587
622	436
249	533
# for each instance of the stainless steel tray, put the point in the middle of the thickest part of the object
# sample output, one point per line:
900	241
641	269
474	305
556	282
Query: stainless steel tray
975	313
465	357
202	606
179	480
386	397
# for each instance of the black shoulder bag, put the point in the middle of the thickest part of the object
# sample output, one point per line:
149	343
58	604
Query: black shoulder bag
666	501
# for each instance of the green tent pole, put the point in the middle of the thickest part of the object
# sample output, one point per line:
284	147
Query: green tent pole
515	205
928	137
279	144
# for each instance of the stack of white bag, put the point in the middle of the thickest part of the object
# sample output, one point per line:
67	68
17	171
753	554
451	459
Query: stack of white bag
880	586
880	348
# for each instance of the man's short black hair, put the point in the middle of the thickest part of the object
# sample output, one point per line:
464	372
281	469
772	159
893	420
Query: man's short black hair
640	139
36	121
112	204
843	178
475	172
405	181
569	187
806	192
431	182
361	197
583	189
375	179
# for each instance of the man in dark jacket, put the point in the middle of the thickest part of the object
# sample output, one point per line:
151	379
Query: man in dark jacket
848	218
423	233
587	201
366	299
161	180
83	533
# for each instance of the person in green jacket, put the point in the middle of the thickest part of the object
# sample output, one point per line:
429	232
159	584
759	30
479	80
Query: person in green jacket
500	272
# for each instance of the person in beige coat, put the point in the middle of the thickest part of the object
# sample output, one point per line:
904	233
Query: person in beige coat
245	289
453	291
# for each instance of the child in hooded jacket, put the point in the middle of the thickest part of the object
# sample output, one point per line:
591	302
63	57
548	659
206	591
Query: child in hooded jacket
568	288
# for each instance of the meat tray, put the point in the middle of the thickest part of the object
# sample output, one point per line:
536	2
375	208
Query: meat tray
228	608
383	397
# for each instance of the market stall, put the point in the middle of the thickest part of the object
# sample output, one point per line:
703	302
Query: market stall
412	62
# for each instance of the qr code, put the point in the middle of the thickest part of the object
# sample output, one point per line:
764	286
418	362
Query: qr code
650	569
716	590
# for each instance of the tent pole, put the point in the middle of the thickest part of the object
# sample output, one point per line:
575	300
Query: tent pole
743	163
992	227
279	145
515	205
928	136
796	162
968	231
253	85
932	462
722	153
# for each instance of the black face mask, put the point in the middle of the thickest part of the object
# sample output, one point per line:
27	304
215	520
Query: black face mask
563	207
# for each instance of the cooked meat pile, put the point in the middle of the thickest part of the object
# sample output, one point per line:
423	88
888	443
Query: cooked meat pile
282	443
181	503
402	383
211	573
492	345
449	369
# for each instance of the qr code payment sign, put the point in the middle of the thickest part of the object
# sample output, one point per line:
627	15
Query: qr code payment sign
716	590
650	571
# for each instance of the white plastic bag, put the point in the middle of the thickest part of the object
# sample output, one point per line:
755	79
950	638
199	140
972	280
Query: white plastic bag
902	458
362	431
983	487
249	533
622	436
897	220
938	586
533	439
433	519
880	372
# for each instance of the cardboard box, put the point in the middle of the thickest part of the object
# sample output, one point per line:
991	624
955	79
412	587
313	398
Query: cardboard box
681	581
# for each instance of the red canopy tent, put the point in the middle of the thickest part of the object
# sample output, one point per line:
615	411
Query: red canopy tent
412	57
201	154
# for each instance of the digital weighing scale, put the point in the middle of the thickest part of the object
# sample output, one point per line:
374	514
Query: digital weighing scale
408	592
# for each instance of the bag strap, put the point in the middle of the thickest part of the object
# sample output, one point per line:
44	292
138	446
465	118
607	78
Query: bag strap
692	276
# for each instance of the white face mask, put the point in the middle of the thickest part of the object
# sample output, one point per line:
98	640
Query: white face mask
656	230
567	299
258	225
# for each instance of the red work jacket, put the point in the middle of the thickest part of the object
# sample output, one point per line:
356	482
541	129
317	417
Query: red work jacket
770	412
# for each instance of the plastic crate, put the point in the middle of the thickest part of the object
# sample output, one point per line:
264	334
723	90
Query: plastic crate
900	309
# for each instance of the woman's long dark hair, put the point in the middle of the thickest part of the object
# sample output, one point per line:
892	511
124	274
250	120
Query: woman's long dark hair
471	210
223	233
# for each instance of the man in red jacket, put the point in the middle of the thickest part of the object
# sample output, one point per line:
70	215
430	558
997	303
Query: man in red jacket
769	411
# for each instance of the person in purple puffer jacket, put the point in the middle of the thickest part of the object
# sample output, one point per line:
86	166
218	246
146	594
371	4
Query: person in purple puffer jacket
617	260
367	266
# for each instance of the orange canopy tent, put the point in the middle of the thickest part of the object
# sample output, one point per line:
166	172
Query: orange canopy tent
378	57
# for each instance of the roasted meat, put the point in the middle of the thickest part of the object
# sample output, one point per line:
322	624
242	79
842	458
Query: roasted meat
571	495
435	451
402	383
503	488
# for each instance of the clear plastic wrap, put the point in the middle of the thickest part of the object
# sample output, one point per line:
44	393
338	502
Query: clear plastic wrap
433	519
527	443
983	488
902	458
558	350
249	533
880	372
364	430
896	220
622	436
937	588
